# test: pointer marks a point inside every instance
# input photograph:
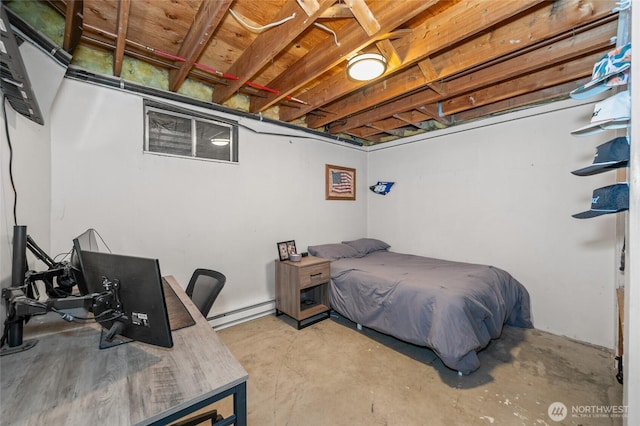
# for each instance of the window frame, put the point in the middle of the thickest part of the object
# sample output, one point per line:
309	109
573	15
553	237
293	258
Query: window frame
194	117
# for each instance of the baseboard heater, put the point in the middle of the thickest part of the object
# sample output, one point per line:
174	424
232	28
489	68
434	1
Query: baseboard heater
237	316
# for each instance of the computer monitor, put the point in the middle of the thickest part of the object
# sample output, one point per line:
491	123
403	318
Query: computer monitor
142	312
87	241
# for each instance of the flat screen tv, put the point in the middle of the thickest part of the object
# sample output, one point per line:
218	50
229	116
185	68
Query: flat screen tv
141	311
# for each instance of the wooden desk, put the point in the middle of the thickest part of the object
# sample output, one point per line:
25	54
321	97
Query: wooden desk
66	380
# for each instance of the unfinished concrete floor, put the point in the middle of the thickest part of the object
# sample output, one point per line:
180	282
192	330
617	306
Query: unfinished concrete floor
332	374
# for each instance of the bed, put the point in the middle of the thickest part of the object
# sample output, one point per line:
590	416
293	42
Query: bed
453	308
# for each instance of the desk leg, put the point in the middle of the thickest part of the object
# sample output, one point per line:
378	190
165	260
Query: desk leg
240	404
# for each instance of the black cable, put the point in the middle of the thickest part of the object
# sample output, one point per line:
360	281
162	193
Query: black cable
65	255
53	291
13	184
10	319
104	313
74	318
115	317
101	239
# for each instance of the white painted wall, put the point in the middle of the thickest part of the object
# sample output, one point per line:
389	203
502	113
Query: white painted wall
500	192
193	213
31	147
632	273
497	192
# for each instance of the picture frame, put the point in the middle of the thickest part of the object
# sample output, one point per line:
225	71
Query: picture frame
286	248
340	183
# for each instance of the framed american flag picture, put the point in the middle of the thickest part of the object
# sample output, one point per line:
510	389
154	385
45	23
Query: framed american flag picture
340	183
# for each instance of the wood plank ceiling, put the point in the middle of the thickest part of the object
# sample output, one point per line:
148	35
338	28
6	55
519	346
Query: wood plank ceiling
448	61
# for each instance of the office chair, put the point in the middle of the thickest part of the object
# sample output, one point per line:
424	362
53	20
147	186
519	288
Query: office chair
204	287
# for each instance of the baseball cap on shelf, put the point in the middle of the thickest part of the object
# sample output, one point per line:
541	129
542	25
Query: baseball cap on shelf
607	200
610	71
611	113
609	156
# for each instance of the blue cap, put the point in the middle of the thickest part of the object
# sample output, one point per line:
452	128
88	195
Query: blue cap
607	200
609	156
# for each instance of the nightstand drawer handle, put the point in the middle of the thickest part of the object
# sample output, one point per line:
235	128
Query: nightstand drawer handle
315	275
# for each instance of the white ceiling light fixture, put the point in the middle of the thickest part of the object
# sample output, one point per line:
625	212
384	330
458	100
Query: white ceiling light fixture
366	66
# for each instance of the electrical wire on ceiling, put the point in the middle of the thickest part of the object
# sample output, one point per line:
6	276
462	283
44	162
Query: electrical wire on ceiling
275	24
280	22
262	28
196	64
324	27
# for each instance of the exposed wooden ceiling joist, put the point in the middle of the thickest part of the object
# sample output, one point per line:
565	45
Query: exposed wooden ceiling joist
73	25
122	25
337	11
363	14
206	21
326	55
530	82
553	57
412	117
575	44
269	43
447	60
424	40
519	101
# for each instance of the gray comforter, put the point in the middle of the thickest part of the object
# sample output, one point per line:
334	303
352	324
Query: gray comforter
453	308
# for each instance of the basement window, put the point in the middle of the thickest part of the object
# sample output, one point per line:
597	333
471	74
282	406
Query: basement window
182	133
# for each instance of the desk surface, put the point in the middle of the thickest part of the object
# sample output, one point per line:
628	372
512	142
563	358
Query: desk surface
65	379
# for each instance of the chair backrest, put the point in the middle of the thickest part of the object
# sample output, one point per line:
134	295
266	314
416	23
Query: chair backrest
204	287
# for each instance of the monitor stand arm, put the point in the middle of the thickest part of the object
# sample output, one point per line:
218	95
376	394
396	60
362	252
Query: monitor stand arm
20	308
108	338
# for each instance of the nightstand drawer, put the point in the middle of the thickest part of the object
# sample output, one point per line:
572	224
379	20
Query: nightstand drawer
314	274
302	289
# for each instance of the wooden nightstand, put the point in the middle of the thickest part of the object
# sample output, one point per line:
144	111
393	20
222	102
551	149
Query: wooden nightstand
302	289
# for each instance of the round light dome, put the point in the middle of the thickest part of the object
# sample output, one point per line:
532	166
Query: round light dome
366	66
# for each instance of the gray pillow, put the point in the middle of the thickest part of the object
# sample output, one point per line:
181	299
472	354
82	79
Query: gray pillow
332	251
365	246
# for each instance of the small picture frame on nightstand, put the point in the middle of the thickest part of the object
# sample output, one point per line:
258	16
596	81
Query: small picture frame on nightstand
286	248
